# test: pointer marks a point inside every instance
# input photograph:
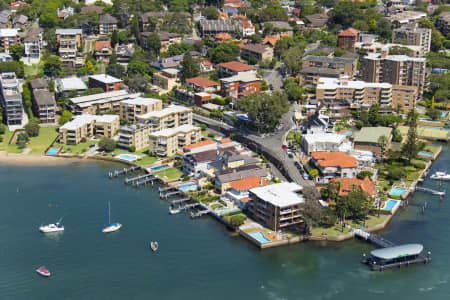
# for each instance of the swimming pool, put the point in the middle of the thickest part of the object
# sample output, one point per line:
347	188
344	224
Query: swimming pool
188	188
128	157
186	183
347	133
390	204
444	114
227	211
424	153
260	237
53	151
397	192
158	168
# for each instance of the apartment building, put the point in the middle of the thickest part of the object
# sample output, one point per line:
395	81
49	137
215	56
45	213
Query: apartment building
170	117
85	126
333	165
9	37
277	206
101	103
376	47
44	106
134	135
311	75
353	93
242	84
404	96
131	108
33	43
202	84
232	68
69	41
346	64
348	38
443	22
212	27
107	24
107	82
11	98
413	35
395	69
167	79
256	52
38	84
168	142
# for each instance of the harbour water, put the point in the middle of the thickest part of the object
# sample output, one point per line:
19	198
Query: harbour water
197	259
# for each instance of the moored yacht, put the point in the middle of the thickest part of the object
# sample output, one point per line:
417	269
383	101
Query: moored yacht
111	226
440	176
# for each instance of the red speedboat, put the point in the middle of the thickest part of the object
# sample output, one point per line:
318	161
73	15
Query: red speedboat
43	271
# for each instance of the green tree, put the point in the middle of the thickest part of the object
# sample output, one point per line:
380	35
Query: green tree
237	220
115	70
433	113
26	97
411	148
12	66
345	13
52	66
16	51
189	68
107	144
210	12
224	52
397	50
32	128
50	37
114	39
153	43
363	174
328	217
292	59
22	140
66	116
265	110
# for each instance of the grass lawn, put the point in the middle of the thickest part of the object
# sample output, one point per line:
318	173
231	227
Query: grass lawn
208	134
430	148
77	149
145	158
169	174
337	229
34	69
40	143
4	146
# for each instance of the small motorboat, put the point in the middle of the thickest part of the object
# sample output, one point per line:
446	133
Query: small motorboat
57	227
440	176
43	271
154	246
174	211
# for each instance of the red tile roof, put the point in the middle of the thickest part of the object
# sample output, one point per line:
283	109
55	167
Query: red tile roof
349	32
202	82
246	24
245	199
248	183
207	62
223	36
99	45
334	159
236	66
225	140
346	185
223	15
199	144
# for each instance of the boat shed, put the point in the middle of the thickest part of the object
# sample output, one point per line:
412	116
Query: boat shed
392	253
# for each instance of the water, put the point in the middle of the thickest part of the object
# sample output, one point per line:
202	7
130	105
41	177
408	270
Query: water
197	259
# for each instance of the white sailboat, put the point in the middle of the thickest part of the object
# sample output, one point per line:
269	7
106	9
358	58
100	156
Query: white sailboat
112	226
57	227
440	176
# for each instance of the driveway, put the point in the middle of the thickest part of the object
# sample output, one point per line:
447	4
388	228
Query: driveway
273	77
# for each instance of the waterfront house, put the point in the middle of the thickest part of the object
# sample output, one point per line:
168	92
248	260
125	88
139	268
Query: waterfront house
333	165
102	102
239	192
347	185
277	206
44	106
168	142
225	177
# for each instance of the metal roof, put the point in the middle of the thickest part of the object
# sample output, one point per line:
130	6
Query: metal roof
372	134
397	251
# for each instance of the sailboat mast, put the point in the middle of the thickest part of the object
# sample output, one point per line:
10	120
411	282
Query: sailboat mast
109	213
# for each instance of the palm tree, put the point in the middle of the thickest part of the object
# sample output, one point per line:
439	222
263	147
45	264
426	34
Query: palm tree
382	141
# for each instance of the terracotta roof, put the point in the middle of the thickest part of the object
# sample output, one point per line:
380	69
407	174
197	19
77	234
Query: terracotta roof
272	40
199	144
223	36
236	66
241	17
334	159
223	15
349	32
246	24
202	81
207	62
94	8
99	45
245	199
225	140
248	183
346	185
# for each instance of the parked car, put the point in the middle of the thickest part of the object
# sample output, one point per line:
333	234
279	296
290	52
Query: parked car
284	147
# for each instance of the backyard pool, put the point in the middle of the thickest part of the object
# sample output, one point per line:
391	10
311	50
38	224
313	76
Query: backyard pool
390	204
187	183
188	188
424	153
436	128
444	114
53	151
260	237
228	211
397	192
128	157
349	132
159	168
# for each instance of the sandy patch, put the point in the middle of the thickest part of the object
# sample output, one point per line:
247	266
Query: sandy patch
33	159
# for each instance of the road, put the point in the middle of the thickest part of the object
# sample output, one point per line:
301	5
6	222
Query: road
273	77
271	142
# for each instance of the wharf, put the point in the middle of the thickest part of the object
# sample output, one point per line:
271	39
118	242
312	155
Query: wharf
117	173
